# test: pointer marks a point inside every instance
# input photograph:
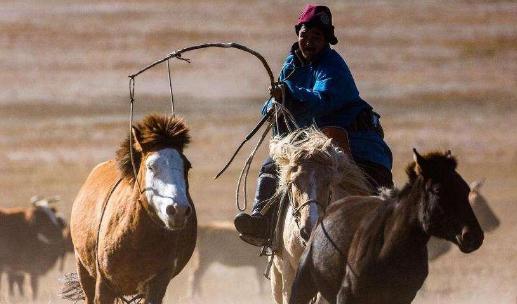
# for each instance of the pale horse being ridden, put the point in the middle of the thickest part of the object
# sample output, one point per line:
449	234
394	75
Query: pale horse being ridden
313	172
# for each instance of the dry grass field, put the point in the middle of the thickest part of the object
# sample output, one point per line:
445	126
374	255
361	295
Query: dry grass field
442	73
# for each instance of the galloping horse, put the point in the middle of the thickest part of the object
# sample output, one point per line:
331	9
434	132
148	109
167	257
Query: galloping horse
132	235
313	171
373	249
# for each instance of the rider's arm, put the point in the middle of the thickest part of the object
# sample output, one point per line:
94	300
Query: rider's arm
269	103
332	90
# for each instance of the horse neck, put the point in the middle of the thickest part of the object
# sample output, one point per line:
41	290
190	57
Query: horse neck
403	231
291	239
349	187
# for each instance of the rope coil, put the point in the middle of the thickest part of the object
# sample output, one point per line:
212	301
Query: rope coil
278	110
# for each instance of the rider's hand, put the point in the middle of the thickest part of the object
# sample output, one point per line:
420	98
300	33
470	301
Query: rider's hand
276	91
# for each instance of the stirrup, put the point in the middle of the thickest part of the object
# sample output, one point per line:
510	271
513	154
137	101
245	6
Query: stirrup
252	240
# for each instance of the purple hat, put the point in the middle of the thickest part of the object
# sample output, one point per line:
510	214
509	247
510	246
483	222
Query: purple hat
318	16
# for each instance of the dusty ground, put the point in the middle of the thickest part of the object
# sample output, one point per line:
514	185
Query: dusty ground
443	74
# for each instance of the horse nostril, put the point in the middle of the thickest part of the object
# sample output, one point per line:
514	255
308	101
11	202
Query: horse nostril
170	210
467	235
188	211
304	234
471	238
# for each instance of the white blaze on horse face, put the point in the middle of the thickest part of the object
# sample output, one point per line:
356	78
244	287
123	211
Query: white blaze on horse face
308	195
313	195
165	187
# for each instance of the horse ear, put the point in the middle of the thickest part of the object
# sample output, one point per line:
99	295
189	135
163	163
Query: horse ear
421	163
135	133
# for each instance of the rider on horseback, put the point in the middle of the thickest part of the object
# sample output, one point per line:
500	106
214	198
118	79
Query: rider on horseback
319	89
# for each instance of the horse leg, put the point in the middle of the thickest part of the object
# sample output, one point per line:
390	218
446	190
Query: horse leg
195	279
260	279
303	287
276	284
288	278
15	279
103	293
344	295
34	279
87	283
20	281
157	288
10	283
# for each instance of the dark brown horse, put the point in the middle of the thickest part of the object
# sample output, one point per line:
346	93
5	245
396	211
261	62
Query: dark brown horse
40	261
486	216
373	249
31	241
132	236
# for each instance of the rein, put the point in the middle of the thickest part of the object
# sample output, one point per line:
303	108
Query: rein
104	205
298	209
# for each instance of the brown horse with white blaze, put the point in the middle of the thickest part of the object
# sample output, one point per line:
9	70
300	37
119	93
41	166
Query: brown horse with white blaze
132	235
373	249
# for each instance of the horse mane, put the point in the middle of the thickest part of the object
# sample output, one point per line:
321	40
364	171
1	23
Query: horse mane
441	162
310	144
154	132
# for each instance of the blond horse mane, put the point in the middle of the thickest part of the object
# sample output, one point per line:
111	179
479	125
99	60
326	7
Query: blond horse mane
310	145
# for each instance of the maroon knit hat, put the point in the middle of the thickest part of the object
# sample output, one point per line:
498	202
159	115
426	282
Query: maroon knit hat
318	16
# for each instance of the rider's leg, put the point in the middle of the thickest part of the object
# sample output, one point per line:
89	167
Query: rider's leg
377	175
256	224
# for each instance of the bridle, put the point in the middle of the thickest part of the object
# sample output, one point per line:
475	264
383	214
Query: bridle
296	213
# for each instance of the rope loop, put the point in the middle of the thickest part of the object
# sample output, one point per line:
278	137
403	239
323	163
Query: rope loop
131	89
276	110
170	86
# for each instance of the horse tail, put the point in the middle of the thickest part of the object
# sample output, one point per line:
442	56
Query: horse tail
71	289
304	288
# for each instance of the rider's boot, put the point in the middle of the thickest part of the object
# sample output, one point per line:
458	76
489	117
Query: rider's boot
253	228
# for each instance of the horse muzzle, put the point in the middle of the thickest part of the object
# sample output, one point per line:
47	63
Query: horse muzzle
469	239
178	216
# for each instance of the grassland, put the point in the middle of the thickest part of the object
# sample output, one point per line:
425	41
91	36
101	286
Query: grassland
443	75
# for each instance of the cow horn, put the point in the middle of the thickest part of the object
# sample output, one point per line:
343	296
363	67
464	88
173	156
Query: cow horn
476	185
35	199
53	199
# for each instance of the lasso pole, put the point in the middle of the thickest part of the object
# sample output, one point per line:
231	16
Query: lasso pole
177	54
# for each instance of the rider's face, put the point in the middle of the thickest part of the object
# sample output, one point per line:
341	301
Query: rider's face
311	41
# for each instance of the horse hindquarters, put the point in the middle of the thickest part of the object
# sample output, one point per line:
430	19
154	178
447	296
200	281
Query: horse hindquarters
303	288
